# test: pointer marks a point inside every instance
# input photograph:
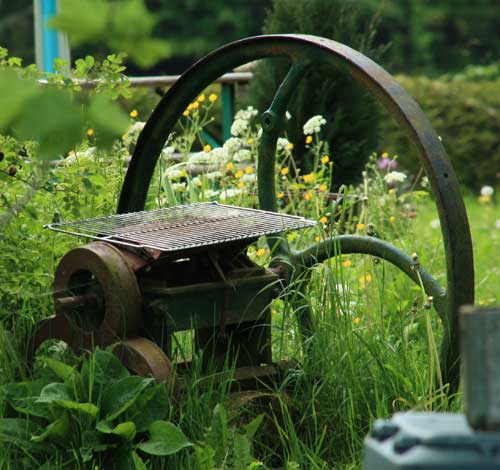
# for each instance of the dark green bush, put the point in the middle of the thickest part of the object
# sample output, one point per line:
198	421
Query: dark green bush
467	117
350	112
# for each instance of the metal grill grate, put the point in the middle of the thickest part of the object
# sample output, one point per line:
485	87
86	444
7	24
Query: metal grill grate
183	227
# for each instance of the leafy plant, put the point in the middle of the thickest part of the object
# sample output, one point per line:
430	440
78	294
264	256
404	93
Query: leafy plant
97	412
227	448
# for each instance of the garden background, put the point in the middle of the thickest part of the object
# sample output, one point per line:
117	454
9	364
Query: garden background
375	350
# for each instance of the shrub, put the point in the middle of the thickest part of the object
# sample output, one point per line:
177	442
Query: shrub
350	111
466	115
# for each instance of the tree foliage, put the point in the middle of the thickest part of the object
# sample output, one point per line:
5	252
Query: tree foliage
350	111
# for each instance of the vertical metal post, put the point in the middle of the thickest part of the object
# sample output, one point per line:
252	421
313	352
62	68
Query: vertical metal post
49	43
227	109
480	348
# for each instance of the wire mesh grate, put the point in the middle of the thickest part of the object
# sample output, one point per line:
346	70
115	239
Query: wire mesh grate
184	227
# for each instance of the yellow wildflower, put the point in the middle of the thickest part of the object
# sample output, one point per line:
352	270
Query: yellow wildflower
195	105
289	146
207	148
183	173
229	166
134	113
281	195
392	219
307	196
325	159
212	97
392	191
385	155
190	106
248	170
90	132
317	239
261	252
363	279
201	98
323	187
483	199
347	263
323	220
186	112
360	226
241	184
356	320
239	174
308	178
285	171
249	141
309	139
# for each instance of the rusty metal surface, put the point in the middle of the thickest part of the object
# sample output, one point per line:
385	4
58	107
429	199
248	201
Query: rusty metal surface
454	223
100	272
143	357
181	228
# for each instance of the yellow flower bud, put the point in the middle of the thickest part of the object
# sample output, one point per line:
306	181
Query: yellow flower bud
134	113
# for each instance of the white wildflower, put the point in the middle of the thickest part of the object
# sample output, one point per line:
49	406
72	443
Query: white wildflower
232	145
136	127
246	114
213	175
242	155
239	127
313	126
394	177
179	187
229	193
435	223
218	155
487	191
196	181
168	151
288	115
210	193
248	178
282	143
199	158
424	182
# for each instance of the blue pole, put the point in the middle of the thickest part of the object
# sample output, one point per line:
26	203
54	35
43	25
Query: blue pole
50	39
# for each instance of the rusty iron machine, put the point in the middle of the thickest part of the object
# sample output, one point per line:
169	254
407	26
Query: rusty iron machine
148	274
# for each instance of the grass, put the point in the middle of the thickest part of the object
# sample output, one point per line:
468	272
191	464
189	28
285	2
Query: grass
371	354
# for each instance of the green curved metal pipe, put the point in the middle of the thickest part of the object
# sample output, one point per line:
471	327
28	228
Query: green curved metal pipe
273	123
349	244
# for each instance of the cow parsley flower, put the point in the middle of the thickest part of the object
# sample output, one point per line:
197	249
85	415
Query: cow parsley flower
313	126
394	177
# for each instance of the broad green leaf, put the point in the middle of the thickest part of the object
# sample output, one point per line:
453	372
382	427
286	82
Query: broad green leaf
138	462
120	395
86	408
23	396
62	370
15	95
126	430
53	120
18	432
83	20
166	439
108	120
217	435
242	451
103	367
54	392
252	427
152	405
57	431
